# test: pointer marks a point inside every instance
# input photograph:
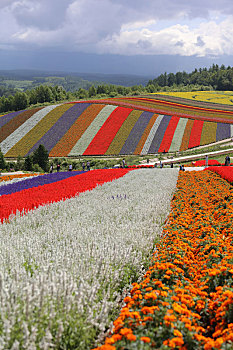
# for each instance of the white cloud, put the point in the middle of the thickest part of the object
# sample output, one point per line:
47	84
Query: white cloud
126	27
209	38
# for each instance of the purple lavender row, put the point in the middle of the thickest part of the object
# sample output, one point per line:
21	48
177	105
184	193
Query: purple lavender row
155	144
136	133
6	118
63	124
223	131
37	181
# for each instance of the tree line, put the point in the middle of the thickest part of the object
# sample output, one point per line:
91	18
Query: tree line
42	94
215	78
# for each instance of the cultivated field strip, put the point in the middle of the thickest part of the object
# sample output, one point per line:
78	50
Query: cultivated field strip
127	126
25	128
64	266
82	144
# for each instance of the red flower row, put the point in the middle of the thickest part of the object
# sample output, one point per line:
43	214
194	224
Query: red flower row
32	198
226	172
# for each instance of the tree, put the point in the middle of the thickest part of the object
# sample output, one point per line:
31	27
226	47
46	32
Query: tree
92	91
28	163
2	161
20	101
41	157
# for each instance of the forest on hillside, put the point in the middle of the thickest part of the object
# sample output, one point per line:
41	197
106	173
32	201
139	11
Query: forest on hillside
13	98
216	78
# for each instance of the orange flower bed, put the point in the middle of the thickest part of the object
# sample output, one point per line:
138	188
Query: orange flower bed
16	176
185	300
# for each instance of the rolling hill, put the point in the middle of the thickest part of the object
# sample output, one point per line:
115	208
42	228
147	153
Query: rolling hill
116	126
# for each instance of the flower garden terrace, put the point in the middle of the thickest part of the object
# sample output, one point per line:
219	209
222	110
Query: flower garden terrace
117	126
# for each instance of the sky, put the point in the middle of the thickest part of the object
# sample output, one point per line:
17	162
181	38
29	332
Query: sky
138	37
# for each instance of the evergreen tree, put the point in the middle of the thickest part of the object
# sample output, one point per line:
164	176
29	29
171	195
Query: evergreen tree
41	157
28	163
2	161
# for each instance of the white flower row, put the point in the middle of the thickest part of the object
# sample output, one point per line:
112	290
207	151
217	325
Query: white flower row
82	144
178	135
23	129
64	267
151	135
17	179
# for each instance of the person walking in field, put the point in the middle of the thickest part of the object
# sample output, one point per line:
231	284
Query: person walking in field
88	165
206	161
58	167
83	165
227	160
70	167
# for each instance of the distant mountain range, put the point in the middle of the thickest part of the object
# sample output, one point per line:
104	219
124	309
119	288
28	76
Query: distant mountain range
70	80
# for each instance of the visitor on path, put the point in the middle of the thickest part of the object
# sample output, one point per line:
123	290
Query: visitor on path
58	167
70	167
123	163
83	165
88	165
227	160
51	169
182	167
161	164
206	161
171	165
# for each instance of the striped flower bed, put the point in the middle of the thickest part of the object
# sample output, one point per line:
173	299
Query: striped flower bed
226	172
123	133
5	178
80	125
51	188
185	299
87	137
106	134
105	128
66	265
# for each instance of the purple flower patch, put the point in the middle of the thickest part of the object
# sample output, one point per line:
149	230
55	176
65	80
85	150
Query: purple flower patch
136	133
6	118
223	131
37	181
64	123
155	144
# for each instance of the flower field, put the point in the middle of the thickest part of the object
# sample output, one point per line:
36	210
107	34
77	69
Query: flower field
13	178
185	299
66	266
117	126
29	194
225	172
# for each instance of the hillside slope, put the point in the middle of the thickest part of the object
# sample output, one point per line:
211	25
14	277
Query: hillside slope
120	126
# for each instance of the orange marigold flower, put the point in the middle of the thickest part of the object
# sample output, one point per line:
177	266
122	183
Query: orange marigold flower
177	333
125	331
218	342
145	339
131	337
177	341
127	299
209	345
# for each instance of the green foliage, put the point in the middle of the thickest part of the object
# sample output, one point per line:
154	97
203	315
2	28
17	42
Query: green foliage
19	165
41	157
2	161
213	78
28	163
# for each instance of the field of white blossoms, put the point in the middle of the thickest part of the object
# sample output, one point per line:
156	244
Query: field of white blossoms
66	267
